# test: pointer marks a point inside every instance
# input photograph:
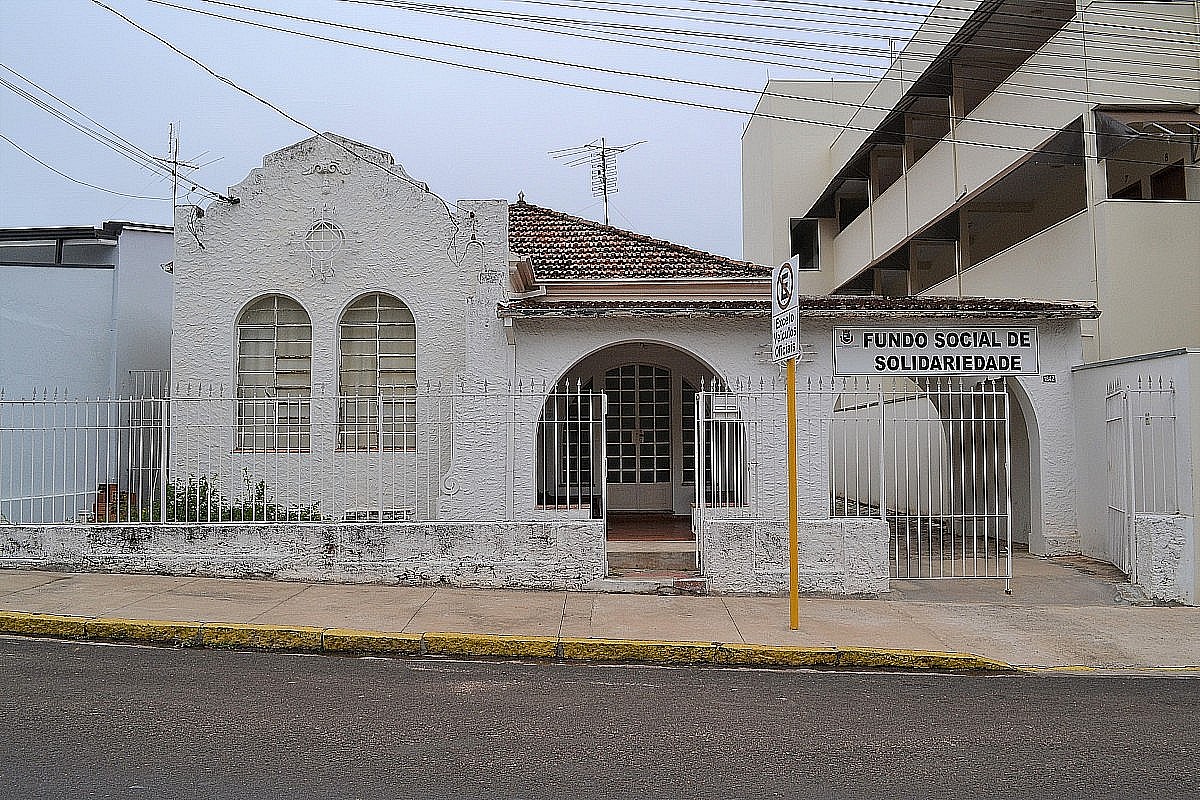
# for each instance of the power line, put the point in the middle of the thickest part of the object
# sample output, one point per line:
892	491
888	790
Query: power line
100	133
556	62
77	180
548	25
926	10
873	52
451	247
551	81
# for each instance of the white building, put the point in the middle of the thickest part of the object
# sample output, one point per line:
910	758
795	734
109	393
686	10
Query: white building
85	309
1043	150
369	384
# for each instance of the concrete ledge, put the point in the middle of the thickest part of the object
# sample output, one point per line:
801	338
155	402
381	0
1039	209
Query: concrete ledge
754	655
489	645
59	627
647	651
350	642
112	629
346	641
870	658
298	639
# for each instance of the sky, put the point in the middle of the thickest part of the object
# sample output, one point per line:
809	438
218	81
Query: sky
468	134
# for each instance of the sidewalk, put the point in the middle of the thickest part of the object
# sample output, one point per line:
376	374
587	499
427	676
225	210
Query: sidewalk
1086	630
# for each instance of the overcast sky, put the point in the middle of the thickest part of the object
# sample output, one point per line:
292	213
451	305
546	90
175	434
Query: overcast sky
468	134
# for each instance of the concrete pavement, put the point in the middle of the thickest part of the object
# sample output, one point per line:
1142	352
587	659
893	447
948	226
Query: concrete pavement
1080	624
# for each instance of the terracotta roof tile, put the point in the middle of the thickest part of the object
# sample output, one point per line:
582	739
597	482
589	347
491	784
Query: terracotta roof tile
563	247
835	306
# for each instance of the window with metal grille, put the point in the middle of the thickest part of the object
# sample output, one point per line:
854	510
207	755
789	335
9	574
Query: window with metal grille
377	375
274	375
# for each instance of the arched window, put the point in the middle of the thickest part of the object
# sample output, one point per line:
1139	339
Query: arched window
274	375
377	374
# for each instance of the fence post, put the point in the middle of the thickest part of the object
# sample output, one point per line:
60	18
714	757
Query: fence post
1130	489
882	465
164	409
379	455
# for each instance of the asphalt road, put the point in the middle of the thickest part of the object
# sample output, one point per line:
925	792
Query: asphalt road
87	720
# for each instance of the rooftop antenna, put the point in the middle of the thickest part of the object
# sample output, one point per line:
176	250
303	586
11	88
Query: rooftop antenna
173	159
603	159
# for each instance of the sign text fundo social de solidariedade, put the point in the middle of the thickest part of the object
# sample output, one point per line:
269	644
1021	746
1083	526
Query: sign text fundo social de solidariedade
936	351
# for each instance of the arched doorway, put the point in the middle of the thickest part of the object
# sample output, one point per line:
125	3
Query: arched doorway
650	436
949	462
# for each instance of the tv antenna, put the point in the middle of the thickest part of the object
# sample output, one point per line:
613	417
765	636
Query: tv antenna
603	159
172	159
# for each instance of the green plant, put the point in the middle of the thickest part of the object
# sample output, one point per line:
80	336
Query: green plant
198	499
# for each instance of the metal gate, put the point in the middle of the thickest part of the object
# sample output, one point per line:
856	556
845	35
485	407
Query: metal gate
571	471
930	456
1139	434
1117	432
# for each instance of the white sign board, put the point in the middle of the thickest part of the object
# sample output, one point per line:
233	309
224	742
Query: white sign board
785	313
948	350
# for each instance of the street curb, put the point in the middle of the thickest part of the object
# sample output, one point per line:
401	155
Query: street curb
348	641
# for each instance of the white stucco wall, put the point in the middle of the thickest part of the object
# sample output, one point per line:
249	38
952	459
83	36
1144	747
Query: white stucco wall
1166	557
837	556
564	554
143	304
399	239
1179	369
55	330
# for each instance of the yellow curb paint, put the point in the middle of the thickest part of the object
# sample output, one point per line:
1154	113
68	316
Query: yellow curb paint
654	652
754	655
113	629
869	658
490	645
23	624
260	637
1072	669
348	640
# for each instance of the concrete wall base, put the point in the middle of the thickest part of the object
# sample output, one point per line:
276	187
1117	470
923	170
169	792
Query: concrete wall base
838	556
534	555
1166	557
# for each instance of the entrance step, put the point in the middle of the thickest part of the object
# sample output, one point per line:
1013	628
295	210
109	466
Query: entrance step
650	560
650	581
651	556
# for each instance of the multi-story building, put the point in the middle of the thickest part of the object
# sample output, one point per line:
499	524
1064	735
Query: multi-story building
1013	149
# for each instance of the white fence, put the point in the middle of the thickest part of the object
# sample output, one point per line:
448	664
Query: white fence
1141	442
437	453
931	457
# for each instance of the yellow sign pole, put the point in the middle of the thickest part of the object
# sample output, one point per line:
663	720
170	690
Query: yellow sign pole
793	511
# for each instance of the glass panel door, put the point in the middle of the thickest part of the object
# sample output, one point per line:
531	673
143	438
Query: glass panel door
639	437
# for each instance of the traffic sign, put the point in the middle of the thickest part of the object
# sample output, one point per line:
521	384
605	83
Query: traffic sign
785	313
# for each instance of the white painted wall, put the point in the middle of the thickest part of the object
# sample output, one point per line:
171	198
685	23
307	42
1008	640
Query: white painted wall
143	304
400	239
563	554
1181	368
55	330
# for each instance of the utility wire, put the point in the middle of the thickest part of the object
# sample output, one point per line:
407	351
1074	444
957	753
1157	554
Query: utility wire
875	52
639	9
571	84
73	179
105	136
924	12
574	65
451	247
547	25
